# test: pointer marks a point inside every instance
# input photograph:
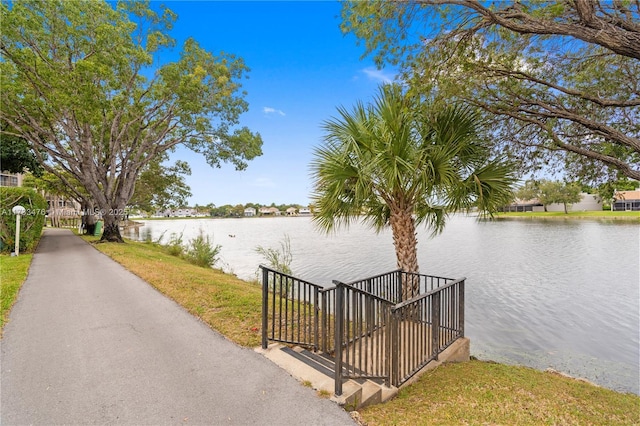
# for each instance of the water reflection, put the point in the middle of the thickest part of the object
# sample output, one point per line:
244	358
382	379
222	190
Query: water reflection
548	294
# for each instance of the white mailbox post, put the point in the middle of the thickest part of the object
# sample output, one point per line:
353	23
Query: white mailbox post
18	211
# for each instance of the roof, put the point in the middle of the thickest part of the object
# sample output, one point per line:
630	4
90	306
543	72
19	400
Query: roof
627	195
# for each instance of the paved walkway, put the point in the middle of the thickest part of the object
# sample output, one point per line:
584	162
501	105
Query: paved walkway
90	343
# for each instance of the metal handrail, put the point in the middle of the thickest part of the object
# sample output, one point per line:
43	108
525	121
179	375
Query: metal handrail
369	335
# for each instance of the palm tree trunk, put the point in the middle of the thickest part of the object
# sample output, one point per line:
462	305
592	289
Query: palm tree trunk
406	245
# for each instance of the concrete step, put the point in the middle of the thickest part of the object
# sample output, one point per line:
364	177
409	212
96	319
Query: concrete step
371	394
316	370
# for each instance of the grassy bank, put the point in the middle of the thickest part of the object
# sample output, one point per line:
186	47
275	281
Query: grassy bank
484	393
13	272
604	215
471	393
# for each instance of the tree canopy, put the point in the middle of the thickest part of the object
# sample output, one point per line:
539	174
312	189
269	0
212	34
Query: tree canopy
16	156
81	83
161	186
559	79
550	192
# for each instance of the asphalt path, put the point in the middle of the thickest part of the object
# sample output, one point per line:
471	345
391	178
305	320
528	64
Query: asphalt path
88	342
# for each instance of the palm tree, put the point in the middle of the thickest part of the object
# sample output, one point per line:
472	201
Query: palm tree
403	162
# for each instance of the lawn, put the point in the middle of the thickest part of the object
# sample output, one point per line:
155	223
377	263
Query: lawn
487	393
13	272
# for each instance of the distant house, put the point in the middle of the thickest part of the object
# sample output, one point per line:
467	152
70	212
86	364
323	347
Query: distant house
183	212
270	211
626	201
291	211
523	206
249	212
589	202
305	211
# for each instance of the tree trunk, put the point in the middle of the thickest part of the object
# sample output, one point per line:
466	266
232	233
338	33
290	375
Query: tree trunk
406	245
111	228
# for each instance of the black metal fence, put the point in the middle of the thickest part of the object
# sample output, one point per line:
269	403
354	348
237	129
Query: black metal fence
365	324
290	310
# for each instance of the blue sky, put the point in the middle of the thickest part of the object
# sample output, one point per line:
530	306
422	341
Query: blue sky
302	69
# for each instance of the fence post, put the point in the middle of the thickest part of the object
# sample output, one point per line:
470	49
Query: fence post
316	317
435	324
461	308
392	356
339	314
265	300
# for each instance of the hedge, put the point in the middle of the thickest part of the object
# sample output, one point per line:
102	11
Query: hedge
31	222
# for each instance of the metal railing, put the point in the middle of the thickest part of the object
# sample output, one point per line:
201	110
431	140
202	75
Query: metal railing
290	310
364	324
361	332
425	326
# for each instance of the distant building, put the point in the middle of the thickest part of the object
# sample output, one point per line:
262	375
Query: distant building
10	179
249	212
589	202
270	211
626	201
305	211
523	206
291	211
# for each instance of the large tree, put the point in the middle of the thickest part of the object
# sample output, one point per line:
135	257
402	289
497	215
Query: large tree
81	84
161	186
560	79
401	162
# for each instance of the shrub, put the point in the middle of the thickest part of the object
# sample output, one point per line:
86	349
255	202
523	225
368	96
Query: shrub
202	252
31	222
278	259
175	248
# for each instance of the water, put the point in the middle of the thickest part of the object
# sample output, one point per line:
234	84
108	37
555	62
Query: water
546	294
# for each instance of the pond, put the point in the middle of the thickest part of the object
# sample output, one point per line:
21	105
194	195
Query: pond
561	294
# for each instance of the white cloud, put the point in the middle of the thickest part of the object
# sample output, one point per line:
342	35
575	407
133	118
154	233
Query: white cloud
269	110
379	75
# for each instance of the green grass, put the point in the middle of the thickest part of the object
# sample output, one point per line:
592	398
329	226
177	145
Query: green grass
13	272
472	393
486	393
605	214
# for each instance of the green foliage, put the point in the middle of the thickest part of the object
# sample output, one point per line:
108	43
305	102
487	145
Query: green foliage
403	161
13	270
528	191
31	222
161	186
175	247
202	252
531	67
607	190
83	85
403	152
16	156
550	192
278	259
